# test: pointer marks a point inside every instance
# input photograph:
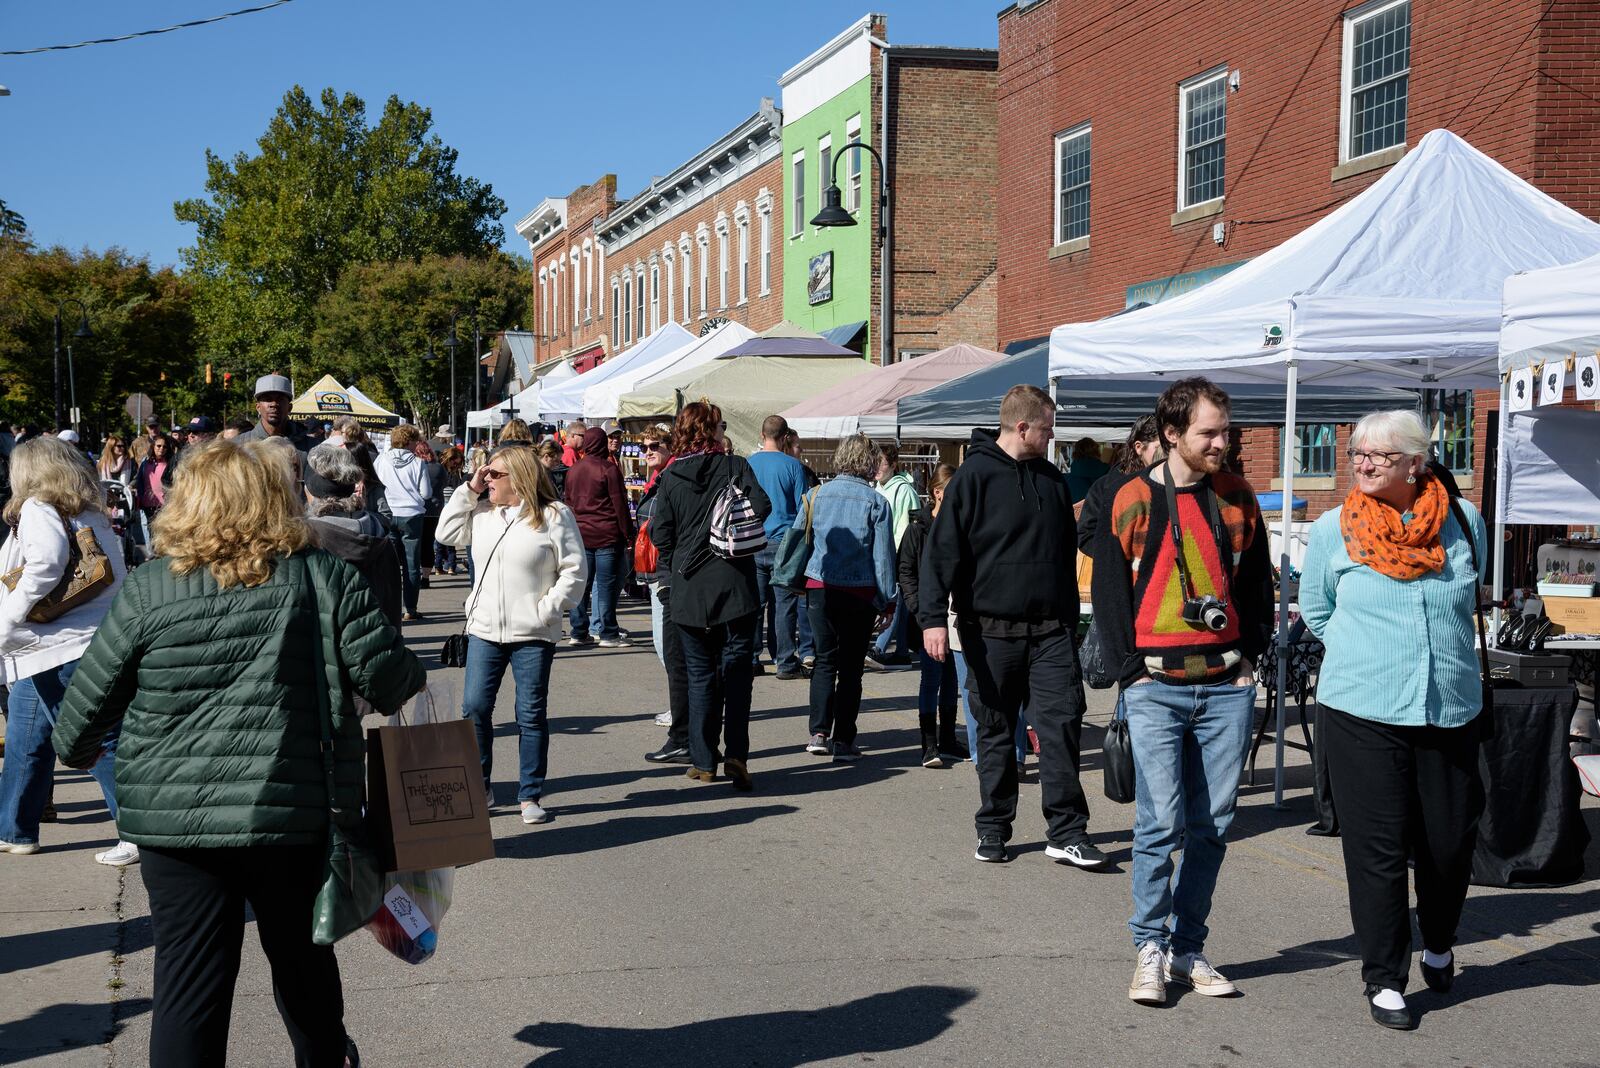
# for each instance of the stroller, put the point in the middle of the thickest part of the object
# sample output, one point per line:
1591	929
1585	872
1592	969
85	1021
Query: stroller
127	522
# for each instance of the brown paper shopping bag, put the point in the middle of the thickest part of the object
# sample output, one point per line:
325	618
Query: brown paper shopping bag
425	803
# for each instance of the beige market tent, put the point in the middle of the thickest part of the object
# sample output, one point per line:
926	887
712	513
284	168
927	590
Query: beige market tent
328	399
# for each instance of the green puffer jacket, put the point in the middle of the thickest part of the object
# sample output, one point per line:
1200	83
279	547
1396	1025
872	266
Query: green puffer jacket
215	690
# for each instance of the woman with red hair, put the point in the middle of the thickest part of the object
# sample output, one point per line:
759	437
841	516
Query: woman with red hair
712	598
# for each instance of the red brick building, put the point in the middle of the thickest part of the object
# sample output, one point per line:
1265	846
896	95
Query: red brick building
701	243
1143	148
569	300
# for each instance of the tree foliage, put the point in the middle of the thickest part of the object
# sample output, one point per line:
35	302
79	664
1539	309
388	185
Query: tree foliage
325	192
374	328
142	324
12	225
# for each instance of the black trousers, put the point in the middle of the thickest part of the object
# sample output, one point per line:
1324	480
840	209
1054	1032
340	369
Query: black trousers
1003	675
1403	793
677	676
841	627
197	899
717	660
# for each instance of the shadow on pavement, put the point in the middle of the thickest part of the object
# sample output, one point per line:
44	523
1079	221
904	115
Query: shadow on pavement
878	1023
557	840
36	949
63	1027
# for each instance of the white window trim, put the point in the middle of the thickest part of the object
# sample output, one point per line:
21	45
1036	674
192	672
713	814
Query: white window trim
741	221
577	296
1347	72
627	307
616	311
544	305
640	300
722	262
686	250
557	269
668	256
797	165
702	239
1184	89
1082	130
824	173
764	209
655	294
600	272
855	168
588	281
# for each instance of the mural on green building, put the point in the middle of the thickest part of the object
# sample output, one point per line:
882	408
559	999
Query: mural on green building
827	273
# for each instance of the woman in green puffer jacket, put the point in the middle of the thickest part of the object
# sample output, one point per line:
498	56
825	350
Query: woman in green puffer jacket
208	660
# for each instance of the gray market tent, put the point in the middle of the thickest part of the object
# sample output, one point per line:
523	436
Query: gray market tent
950	411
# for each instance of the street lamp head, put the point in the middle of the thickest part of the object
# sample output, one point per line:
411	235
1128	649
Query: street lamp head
4	91
451	342
833	213
83	330
429	355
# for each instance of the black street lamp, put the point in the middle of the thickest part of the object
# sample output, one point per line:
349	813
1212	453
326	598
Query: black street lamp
452	343
833	213
81	332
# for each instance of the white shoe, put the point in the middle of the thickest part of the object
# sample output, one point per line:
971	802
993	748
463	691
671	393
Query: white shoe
664	719
532	813
621	641
1149	987
121	856
576	642
21	849
1193	970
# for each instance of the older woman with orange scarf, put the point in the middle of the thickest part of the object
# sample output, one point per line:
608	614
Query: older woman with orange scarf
1390	585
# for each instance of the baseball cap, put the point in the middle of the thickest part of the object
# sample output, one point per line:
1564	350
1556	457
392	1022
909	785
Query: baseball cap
202	424
272	384
151	420
68	435
445	430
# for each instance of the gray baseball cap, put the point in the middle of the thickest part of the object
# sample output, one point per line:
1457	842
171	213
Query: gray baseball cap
272	384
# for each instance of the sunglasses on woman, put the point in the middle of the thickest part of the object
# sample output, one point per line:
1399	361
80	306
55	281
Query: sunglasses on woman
653	446
492	474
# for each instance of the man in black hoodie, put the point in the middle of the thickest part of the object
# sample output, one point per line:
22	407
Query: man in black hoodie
1001	555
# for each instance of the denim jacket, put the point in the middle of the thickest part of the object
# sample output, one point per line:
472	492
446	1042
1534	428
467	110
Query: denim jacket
852	536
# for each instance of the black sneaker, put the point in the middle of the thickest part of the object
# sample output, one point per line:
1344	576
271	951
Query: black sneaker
872	663
758	669
1079	854
991	850
931	757
669	754
845	753
791	676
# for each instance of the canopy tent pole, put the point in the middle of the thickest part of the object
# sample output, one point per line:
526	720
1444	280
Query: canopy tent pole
1500	509
1050	451
1279	702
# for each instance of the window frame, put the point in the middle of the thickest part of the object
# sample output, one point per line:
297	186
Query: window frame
741	222
797	192
1085	129
641	302
686	254
1326	451
824	165
852	167
1185	88
616	311
1347	90
1448	448
655	296
722	262
765	213
627	307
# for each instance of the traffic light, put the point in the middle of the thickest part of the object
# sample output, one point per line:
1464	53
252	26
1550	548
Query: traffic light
208	374
227	379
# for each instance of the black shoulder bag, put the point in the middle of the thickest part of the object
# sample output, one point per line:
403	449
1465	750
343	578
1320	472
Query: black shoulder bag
1487	715
454	653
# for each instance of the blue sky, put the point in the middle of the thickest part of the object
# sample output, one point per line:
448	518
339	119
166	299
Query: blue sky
538	97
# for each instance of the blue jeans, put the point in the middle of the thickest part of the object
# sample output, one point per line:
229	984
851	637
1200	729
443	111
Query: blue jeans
530	669
1189	745
972	724
30	761
599	599
894	634
937	687
409	536
780	614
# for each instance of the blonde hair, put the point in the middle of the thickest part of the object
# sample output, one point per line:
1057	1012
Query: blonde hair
404	436
106	456
51	471
232	509
530	480
515	430
858	455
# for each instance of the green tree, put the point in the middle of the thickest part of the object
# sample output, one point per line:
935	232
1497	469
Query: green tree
325	192
143	329
12	225
375	327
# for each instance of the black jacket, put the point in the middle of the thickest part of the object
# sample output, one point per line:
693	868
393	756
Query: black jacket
363	541
1096	503
705	589
558	478
1001	551
909	562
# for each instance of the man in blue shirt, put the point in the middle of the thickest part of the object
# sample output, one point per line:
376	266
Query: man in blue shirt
783	479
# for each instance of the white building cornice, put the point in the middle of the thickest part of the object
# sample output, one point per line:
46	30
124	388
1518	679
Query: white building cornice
549	217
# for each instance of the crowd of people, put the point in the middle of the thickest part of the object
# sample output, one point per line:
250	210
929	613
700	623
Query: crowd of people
281	564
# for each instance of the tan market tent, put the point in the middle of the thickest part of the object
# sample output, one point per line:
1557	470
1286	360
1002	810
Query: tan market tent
746	388
328	399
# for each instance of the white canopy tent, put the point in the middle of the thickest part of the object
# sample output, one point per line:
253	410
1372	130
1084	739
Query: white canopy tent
564	400
487	418
1549	466
1400	286
602	401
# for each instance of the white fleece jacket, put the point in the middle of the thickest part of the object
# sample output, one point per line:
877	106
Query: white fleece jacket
405	482
40	548
524	586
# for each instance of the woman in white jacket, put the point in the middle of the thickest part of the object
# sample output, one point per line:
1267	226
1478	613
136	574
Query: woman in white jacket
56	495
529	568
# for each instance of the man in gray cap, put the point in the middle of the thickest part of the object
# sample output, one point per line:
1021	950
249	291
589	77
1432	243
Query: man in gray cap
272	406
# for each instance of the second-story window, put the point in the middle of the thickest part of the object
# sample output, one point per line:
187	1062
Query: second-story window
744	258
655	297
639	296
852	166
627	309
1202	138
797	192
824	165
1072	185
1377	77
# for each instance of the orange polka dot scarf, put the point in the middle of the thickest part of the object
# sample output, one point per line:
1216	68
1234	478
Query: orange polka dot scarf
1375	534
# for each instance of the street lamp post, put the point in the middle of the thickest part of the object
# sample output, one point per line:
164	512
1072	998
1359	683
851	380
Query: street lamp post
452	343
834	214
82	331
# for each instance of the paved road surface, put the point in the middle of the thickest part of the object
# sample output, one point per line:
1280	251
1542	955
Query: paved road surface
832	917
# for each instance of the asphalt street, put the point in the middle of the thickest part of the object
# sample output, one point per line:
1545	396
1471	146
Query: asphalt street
834	916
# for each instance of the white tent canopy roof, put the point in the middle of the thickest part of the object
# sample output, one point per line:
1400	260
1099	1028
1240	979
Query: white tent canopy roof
1399	286
601	402
1550	313
565	400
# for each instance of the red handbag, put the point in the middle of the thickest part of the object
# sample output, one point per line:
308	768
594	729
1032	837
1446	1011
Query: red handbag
645	554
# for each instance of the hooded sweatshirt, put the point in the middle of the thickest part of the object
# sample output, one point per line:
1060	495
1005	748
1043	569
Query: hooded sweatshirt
405	482
1001	552
901	493
704	588
362	541
596	495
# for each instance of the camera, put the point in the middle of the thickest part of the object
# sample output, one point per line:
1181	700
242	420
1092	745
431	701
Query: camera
1209	612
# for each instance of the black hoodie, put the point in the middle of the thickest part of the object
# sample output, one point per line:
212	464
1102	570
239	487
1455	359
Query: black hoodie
705	588
362	540
1002	549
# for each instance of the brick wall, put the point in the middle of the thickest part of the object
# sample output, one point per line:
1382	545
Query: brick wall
944	171
1520	88
586	207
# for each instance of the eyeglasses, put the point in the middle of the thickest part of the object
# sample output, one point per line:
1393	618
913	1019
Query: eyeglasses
653	446
492	473
1378	459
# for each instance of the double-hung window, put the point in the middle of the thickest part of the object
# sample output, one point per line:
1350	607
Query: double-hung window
1314	450
1377	77
1072	185
743	223
797	191
627	309
640	329
1202	138
1452	429
824	165
852	166
655	296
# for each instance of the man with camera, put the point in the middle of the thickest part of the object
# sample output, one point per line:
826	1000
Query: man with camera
1182	593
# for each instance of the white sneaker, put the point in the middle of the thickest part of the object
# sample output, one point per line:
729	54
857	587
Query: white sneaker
21	849
532	813
621	641
664	719
1193	970
1148	986
576	642
121	856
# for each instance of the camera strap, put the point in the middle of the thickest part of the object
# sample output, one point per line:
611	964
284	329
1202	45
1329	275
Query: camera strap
1223	547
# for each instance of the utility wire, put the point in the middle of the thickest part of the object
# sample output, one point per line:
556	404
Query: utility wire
146	33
